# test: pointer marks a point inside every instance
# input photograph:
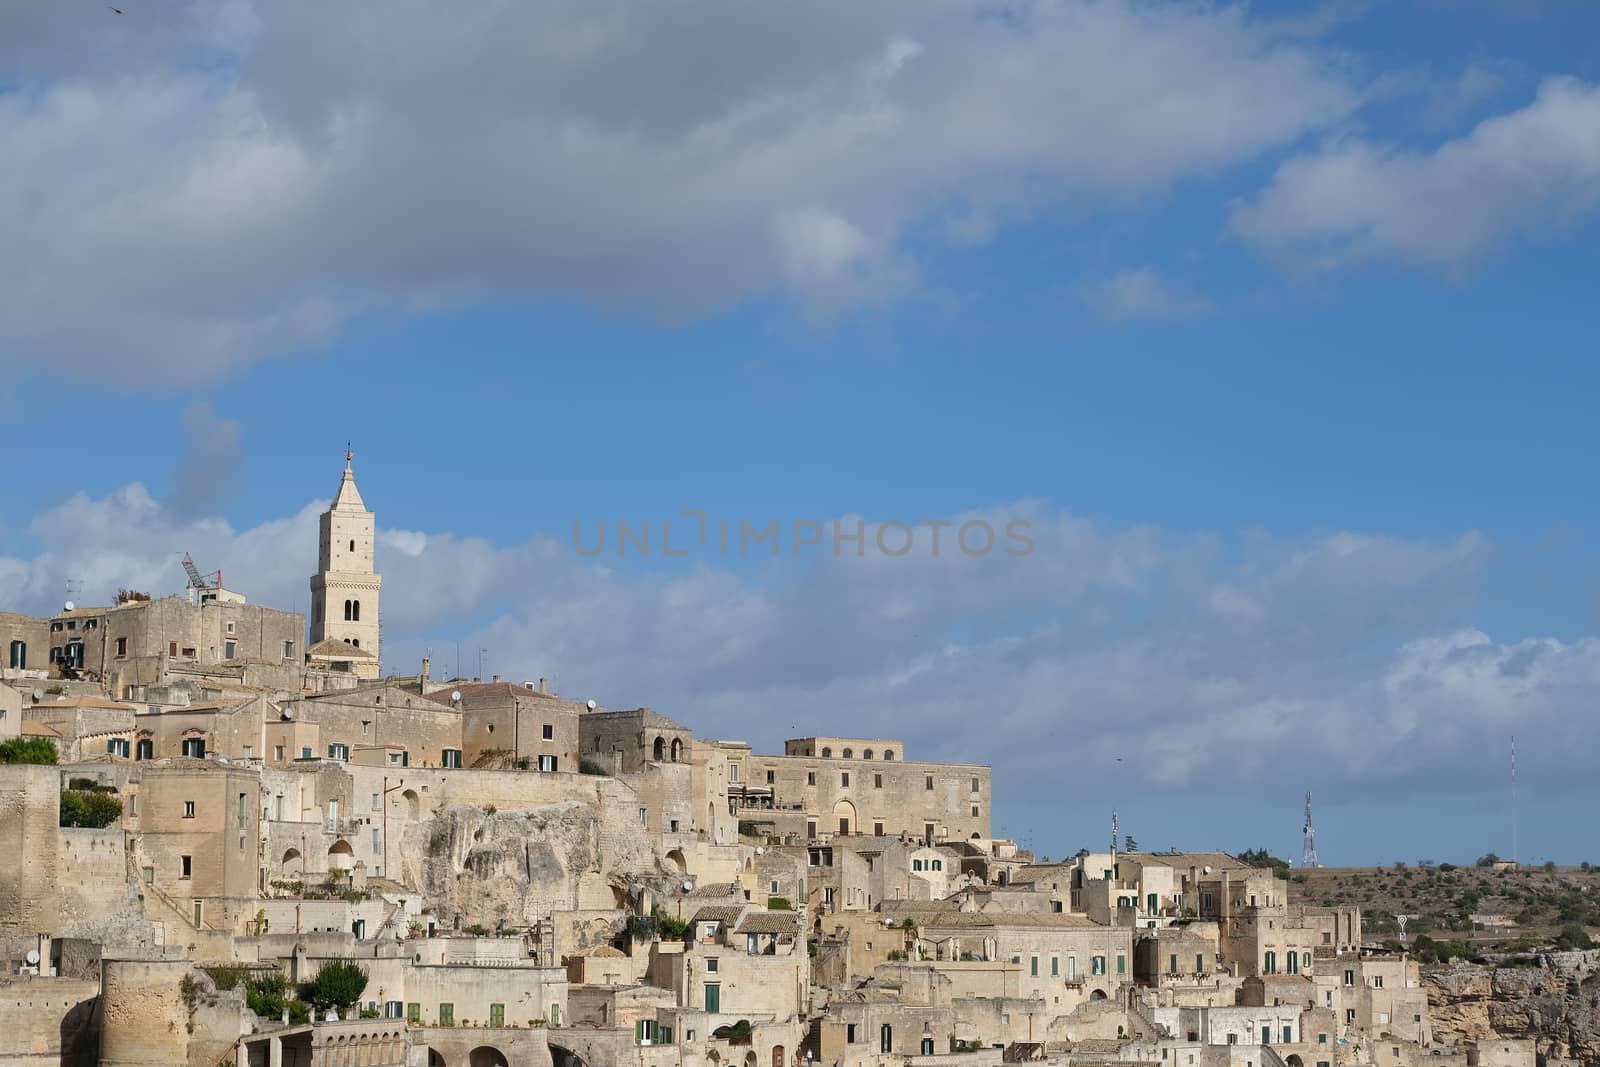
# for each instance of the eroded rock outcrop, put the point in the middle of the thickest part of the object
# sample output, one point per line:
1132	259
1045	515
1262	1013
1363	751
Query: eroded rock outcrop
1555	1001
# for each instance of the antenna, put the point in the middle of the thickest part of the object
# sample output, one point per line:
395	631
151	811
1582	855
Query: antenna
1308	858
1113	834
1513	798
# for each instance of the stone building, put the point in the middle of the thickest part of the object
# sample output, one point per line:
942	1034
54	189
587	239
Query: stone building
24	646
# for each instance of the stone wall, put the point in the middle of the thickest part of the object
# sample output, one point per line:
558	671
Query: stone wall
49	1021
30	815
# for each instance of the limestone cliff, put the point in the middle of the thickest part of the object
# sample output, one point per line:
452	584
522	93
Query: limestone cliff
1554	1002
489	867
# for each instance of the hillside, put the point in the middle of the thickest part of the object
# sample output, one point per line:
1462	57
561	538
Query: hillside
1456	911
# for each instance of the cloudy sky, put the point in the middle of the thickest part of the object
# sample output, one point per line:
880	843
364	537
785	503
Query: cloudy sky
1269	326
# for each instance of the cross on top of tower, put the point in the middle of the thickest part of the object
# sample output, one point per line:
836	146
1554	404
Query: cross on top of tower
348	455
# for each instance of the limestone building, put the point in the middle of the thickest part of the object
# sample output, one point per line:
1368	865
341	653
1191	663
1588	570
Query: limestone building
344	591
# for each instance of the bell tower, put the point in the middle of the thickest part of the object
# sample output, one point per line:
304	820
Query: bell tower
344	591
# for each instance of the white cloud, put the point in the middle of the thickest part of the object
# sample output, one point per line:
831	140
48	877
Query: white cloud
1141	293
1522	173
194	188
1346	657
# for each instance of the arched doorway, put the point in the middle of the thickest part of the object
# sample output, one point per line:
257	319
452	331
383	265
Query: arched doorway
487	1056
844	816
777	1056
565	1057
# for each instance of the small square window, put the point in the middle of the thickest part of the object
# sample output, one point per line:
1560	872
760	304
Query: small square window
549	731
711	965
188	809
811	778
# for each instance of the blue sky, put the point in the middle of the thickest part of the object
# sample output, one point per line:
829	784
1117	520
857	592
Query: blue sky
1277	323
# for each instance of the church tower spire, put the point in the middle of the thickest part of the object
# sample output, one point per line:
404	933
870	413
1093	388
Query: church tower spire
344	591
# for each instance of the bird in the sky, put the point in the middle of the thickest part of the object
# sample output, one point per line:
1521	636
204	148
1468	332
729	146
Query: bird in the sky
116	11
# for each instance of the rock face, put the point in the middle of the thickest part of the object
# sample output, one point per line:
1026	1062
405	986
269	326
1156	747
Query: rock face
488	867
1554	1002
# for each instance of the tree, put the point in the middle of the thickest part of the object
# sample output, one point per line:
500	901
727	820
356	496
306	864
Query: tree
268	995
28	750
338	984
90	808
1260	857
1573	936
1488	859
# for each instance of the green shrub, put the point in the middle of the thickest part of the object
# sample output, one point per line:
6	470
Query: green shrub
36	750
86	809
779	904
1573	936
589	766
268	995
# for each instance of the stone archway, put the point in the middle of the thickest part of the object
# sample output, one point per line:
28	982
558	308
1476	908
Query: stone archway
487	1056
341	856
293	864
1098	994
678	860
561	1056
434	1059
844	817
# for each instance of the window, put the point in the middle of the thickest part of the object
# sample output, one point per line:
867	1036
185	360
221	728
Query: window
1199	963
826	752
733	772
547	763
714	998
877	781
188	809
277	753
1099	965
244	809
974	811
1349	977
849	1033
644	816
413	1012
1322	1039
877	829
450	757
288	650
886	1038
1055	966
1172	963
867	754
366	725
185	866
916	865
400	759
117	746
376	802
1122	964
927	1046
928	782
447	1014
844	778
888	754
1055	906
339	751
18	657
849	753
975	788
305	752
549	731
1288	1035
497	1014
1033	966
228	649
122	646
133	803
711	965
772	887
1377	981
811	778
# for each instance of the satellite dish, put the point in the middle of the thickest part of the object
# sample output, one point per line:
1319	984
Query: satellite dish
592	705
288	714
688	887
455	697
1205	870
38	695
760	851
68	606
33	957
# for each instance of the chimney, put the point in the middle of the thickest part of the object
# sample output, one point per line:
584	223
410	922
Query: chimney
542	689
422	679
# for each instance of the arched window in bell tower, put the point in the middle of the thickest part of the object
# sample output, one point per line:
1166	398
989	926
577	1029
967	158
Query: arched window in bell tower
347	611
355	611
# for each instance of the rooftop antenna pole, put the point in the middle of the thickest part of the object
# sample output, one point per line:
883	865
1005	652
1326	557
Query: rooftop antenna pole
1513	798
1309	857
1113	842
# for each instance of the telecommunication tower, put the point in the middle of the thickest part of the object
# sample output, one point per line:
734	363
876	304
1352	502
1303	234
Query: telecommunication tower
1308	857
